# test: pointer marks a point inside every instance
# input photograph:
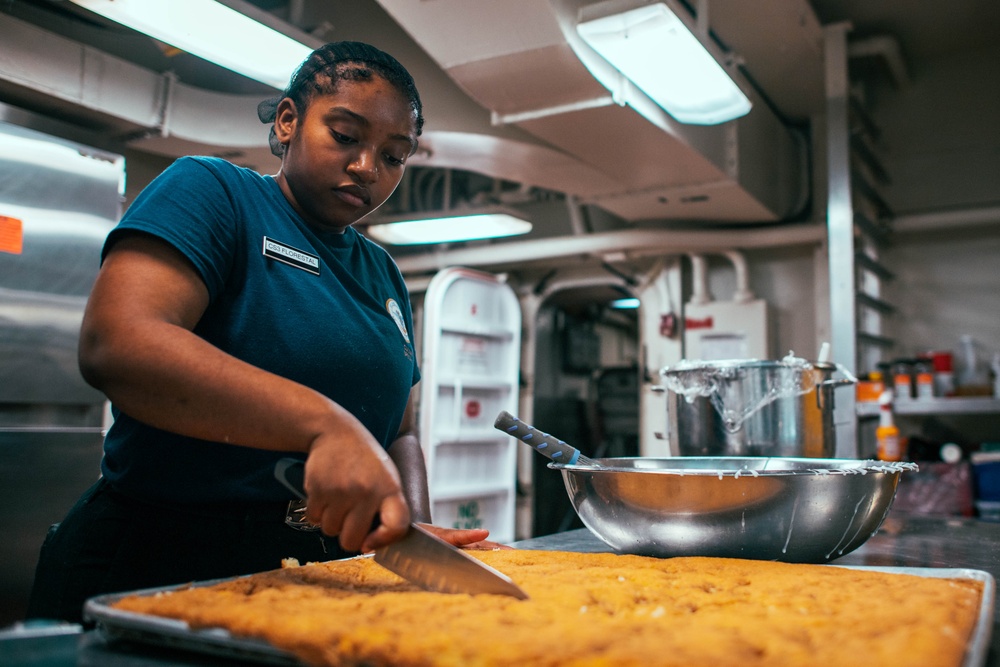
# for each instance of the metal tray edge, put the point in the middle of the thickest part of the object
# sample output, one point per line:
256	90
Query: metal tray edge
116	624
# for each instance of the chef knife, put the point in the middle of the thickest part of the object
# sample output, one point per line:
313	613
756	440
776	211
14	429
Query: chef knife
421	557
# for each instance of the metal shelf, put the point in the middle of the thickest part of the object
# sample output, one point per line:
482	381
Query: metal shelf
875	339
864	188
870	159
473	491
860	114
472	382
877	232
958	405
872	265
869	301
483	332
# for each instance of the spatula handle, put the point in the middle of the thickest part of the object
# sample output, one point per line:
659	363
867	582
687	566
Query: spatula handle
541	442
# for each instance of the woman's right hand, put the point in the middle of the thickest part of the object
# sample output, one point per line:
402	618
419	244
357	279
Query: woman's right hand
349	481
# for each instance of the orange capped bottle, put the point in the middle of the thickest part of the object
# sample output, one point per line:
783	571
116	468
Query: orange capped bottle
887	433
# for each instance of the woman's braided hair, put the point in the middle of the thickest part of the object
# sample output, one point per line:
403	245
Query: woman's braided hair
326	67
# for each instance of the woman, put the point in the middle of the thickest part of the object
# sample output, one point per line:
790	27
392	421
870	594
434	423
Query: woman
238	319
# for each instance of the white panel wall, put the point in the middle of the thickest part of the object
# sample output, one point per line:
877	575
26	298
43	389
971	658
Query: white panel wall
947	284
941	135
784	278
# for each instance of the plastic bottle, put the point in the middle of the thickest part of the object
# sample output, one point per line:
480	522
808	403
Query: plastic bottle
924	378
944	375
869	389
887	433
973	378
902	379
968	372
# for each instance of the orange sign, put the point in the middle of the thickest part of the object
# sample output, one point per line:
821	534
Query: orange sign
11	235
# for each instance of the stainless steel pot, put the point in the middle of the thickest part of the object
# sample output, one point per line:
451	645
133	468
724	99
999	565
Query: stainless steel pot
752	407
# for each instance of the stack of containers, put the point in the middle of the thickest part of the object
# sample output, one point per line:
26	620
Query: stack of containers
986	473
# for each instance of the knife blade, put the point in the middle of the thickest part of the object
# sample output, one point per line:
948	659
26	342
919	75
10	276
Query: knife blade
421	557
428	561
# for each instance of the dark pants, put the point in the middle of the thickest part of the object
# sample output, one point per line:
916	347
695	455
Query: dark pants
110	543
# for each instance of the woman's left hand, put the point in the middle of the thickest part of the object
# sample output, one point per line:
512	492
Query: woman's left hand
470	538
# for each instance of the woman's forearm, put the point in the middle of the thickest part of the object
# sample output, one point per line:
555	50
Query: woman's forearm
406	453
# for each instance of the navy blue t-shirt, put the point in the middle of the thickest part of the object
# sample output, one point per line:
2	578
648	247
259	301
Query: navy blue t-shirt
327	310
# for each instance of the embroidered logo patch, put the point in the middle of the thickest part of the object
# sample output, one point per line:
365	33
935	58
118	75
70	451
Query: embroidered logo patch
397	317
285	253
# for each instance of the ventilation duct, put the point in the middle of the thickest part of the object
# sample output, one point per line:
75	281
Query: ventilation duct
508	96
523	61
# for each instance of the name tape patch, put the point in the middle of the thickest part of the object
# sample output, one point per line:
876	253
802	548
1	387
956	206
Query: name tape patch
285	253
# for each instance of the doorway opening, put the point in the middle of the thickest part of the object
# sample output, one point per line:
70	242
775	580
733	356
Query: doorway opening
586	391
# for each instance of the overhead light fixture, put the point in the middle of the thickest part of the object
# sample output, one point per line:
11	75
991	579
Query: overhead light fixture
450	227
212	31
653	48
625	304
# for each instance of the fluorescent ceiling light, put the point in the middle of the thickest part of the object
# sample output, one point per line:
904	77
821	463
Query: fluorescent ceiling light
654	49
212	31
450	228
625	304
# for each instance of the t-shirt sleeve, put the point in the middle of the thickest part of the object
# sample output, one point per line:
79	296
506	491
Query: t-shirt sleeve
409	324
189	207
407	306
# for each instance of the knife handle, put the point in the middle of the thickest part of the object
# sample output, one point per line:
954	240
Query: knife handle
541	442
292	474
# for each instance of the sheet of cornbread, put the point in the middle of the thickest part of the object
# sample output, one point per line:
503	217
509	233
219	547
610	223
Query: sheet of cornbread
593	609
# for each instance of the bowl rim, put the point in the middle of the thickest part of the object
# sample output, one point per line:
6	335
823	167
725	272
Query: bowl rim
688	366
811	466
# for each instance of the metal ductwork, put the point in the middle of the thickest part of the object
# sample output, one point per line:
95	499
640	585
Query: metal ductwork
522	60
137	106
507	95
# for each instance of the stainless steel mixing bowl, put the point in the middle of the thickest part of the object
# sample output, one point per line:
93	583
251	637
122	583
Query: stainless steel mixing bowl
798	510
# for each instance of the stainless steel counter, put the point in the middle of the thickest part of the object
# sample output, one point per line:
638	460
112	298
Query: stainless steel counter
902	541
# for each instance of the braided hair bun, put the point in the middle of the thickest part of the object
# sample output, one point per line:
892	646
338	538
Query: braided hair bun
326	67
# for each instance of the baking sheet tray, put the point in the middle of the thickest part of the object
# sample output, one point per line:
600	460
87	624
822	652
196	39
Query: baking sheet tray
979	644
118	625
115	624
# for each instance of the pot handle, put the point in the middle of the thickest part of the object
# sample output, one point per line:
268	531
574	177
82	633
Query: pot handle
833	383
837	382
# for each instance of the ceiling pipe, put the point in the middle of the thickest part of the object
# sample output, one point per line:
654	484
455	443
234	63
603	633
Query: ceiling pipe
700	294
575	215
647	242
742	293
957	219
632	242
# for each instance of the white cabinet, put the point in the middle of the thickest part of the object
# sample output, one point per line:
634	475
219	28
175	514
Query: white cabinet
470	368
